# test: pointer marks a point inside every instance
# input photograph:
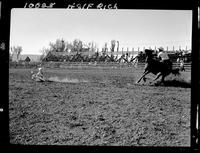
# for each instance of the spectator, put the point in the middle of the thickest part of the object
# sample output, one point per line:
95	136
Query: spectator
182	67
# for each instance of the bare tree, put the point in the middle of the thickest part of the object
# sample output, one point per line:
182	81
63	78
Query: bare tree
92	46
68	46
105	49
16	51
58	46
77	45
117	46
112	45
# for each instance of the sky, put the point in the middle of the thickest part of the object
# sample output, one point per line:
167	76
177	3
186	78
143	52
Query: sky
34	29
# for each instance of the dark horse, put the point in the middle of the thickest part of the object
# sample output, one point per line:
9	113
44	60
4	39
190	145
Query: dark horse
156	67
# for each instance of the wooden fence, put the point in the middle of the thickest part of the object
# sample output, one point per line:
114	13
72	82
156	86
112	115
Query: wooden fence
104	65
86	65
187	66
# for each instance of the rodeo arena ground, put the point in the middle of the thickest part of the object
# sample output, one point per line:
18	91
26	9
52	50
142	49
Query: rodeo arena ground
99	101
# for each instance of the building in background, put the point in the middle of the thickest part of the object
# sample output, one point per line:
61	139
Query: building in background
33	58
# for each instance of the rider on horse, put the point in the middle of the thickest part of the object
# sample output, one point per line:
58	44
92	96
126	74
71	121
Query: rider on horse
159	68
163	57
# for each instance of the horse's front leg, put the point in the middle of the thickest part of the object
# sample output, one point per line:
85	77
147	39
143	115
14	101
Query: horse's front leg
144	74
157	76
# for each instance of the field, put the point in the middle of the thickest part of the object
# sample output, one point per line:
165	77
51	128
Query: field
98	106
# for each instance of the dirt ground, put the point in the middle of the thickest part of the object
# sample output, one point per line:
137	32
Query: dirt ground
97	107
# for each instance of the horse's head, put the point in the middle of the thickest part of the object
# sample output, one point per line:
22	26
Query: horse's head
148	52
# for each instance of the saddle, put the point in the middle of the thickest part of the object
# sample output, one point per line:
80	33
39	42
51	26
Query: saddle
168	63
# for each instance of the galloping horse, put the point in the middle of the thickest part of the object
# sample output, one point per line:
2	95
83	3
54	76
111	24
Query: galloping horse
156	67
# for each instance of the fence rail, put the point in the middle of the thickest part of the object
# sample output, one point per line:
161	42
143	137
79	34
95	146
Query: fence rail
187	66
87	65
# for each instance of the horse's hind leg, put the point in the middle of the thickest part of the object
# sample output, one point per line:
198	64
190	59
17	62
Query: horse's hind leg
163	79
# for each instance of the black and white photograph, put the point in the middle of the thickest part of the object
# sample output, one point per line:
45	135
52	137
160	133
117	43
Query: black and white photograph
100	77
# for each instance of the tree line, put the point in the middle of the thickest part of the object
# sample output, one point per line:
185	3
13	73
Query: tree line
60	45
77	47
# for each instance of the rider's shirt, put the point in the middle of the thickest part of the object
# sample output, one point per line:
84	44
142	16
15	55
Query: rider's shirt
163	56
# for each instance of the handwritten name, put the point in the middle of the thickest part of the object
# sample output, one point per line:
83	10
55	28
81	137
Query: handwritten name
73	5
91	5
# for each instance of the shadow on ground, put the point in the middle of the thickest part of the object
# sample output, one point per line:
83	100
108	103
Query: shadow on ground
174	83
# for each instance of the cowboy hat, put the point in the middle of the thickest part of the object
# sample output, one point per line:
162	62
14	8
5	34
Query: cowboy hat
161	48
